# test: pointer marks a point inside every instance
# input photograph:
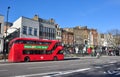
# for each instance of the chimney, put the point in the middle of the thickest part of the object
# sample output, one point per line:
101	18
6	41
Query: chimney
52	21
36	17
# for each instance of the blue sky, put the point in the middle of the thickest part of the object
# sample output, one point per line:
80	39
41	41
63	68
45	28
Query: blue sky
102	15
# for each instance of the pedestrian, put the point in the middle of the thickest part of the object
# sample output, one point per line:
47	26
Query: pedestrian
98	52
83	51
89	50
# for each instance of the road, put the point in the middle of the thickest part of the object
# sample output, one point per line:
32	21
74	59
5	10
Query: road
72	67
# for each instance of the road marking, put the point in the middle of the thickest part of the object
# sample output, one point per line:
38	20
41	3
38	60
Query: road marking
68	72
118	68
113	62
98	67
53	73
105	65
38	74
117	74
3	70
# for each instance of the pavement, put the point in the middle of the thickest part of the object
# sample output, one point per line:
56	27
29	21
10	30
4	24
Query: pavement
4	61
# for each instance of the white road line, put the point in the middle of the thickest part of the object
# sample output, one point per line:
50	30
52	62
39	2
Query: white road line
3	70
54	73
98	67
105	65
38	74
5	64
118	68
69	72
113	62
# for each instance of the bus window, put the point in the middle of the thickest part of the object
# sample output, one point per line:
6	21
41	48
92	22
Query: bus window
38	42
19	41
59	44
26	52
30	42
46	43
60	52
48	52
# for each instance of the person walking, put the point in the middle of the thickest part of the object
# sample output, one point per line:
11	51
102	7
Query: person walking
98	52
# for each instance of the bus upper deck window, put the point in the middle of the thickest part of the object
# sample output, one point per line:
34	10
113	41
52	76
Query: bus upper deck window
19	41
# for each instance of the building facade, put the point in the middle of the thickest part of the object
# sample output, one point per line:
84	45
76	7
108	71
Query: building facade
47	28
106	40
7	25
1	32
24	27
32	28
67	38
81	35
58	32
93	37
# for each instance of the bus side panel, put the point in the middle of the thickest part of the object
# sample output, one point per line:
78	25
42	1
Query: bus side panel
17	53
47	57
11	55
59	56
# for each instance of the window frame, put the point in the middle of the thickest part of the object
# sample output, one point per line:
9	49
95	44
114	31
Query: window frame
24	29
30	30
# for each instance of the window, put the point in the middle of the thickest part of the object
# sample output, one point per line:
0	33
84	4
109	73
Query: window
32	42
102	35
31	52
60	52
24	30
35	32
49	30
45	29
30	30
0	28
41	28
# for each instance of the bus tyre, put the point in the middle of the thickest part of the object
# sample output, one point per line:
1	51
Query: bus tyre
26	59
55	58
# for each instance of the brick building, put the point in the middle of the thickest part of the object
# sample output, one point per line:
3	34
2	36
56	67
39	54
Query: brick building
67	38
81	35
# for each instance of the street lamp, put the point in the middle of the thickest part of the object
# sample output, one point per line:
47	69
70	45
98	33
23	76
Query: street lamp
5	47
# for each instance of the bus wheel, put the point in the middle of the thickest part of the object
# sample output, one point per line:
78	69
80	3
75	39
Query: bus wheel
55	58
26	59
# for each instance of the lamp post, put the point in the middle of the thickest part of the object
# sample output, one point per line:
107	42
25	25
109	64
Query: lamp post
5	40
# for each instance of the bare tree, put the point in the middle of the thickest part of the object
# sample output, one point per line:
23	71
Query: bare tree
116	36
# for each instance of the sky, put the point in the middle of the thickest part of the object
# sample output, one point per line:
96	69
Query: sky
103	15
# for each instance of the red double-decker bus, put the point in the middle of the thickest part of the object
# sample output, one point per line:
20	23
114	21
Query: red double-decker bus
29	49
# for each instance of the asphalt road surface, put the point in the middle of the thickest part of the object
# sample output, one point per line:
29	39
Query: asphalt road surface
72	67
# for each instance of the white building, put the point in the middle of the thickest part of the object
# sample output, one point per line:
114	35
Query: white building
106	40
1	32
32	28
27	28
90	38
